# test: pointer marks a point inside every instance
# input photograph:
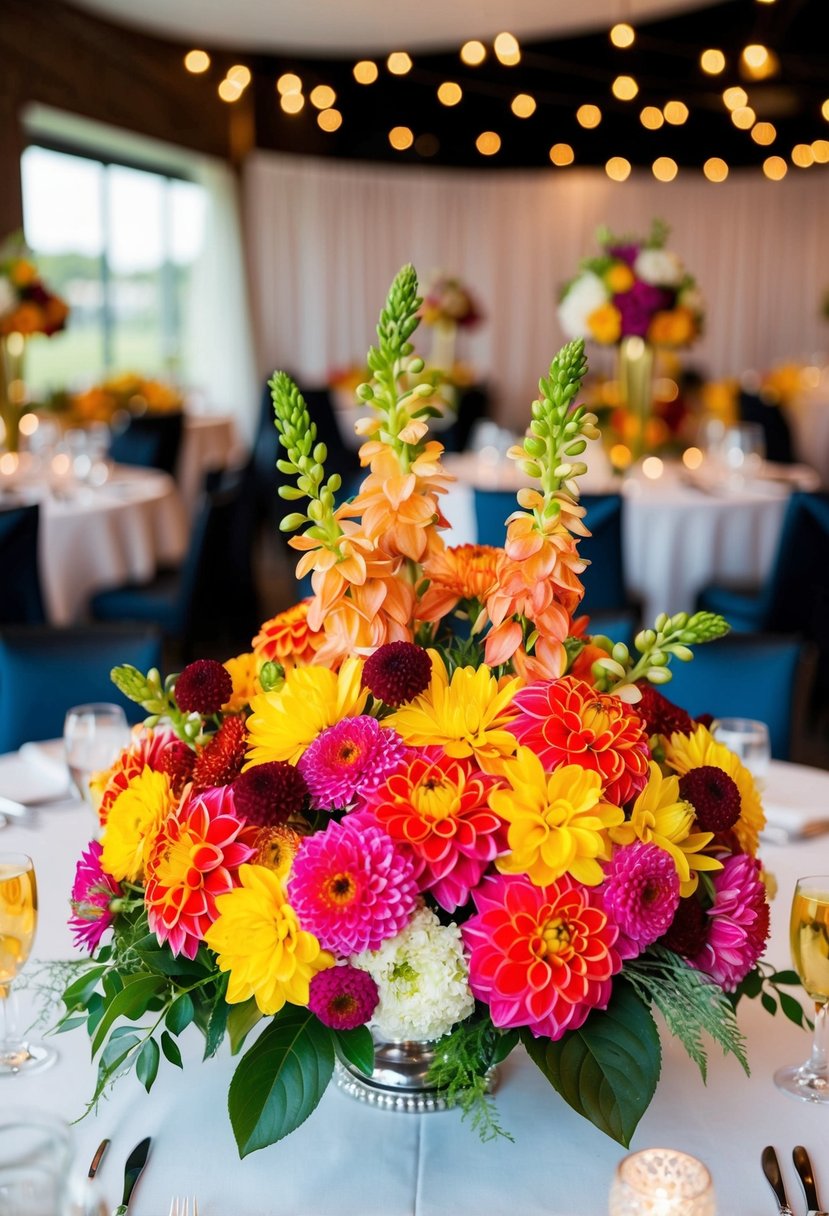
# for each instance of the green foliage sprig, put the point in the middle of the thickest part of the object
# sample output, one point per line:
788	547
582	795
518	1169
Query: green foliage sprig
304	459
159	700
766	983
671	637
461	1066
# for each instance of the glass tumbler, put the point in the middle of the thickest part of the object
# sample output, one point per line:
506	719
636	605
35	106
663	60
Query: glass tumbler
35	1159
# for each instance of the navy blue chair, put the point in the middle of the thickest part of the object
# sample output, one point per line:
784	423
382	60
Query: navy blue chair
44	671
21	602
150	441
753	407
761	676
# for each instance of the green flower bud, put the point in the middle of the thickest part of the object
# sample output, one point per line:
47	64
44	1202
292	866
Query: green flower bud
293	521
620	652
271	676
659	675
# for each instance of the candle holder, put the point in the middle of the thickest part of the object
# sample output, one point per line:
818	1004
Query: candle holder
661	1182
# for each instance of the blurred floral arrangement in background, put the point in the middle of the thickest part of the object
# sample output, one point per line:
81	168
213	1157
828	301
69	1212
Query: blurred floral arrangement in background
27	305
428	804
634	288
447	301
122	394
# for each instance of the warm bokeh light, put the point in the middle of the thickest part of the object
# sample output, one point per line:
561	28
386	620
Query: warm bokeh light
676	113
652	118
653	468
803	156
622	34
427	144
473	53
289	83
625	88
824	109
664	169
562	154
197	61
323	97
230	90
366	71
488	143
399	63
820	148
775	168
507	50
712	61
744	118
449	93
755	55
735	97
401	138
715	169
330	120
523	105
764	133
620	456
292	103
588	116
618	169
240	74
692	458
28	424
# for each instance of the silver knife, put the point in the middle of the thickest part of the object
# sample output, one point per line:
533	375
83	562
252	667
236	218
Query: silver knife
807	1179
132	1170
771	1168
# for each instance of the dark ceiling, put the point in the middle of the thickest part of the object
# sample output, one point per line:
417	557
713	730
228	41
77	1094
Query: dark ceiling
561	75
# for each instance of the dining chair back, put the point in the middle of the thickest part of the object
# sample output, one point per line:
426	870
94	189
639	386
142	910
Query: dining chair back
760	676
45	670
21	601
150	441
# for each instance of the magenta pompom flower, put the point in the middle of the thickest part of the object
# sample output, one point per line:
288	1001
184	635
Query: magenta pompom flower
541	957
642	895
351	887
343	997
738	923
92	894
349	759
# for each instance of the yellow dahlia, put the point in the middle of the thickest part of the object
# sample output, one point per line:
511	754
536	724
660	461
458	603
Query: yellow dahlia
282	723
466	715
133	823
685	752
259	942
557	822
244	672
662	818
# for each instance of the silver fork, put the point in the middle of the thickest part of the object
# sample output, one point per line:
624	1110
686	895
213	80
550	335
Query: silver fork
184	1206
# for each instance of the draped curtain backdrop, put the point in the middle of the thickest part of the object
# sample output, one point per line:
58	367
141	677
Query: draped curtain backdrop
325	240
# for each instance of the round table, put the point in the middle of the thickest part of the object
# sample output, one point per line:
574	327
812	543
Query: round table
208	442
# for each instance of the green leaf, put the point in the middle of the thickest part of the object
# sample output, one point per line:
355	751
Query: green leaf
608	1069
240	1022
78	993
504	1045
792	1009
280	1080
131	1002
356	1047
214	1031
162	962
785	977
170	1048
146	1066
180	1014
769	1003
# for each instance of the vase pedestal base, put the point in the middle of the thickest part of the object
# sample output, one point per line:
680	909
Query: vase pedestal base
398	1081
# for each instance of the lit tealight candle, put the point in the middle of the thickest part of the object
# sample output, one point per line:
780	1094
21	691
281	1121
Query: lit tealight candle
661	1182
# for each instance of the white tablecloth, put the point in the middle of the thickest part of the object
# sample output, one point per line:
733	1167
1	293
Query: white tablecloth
355	1161
208	442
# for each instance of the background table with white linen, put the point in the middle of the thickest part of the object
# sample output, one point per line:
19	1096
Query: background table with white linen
356	1161
208	442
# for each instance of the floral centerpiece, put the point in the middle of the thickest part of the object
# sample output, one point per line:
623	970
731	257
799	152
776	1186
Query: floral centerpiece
427	805
448	306
125	393
27	307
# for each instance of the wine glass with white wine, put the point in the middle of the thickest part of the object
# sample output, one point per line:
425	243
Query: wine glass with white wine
809	935
18	918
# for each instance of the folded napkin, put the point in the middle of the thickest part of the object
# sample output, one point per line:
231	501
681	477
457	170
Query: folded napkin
37	773
785	823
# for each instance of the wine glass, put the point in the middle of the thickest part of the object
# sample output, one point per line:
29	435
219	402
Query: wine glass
748	739
18	917
93	735
809	939
661	1182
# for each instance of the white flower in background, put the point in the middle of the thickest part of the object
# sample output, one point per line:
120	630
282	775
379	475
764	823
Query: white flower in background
585	294
659	267
423	979
691	298
8	296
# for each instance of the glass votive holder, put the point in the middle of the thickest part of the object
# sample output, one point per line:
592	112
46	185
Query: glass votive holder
661	1182
35	1159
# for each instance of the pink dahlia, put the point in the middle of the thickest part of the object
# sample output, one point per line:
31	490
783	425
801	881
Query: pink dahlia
92	894
567	721
343	997
436	809
541	957
738	923
195	857
350	759
641	894
351	887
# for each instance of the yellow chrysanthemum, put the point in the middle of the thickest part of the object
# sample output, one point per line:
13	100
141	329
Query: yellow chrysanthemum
619	278
259	942
244	672
662	818
605	324
282	723
685	752
466	716
133	822
557	822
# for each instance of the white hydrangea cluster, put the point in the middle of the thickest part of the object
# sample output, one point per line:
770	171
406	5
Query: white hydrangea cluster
660	267
587	293
422	978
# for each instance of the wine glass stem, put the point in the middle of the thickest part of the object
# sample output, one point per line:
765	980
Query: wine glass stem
9	1034
820	1041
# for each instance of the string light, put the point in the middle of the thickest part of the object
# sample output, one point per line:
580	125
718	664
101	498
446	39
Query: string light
755	56
588	116
622	35
803	156
664	169
652	118
523	105
289	83
323	97
473	53
449	93
365	71
625	88
399	63
229	90
330	120
676	112
712	62
764	133
401	138
618	169
735	97
744	118
240	74
562	154
775	168
292	103
824	109
507	50
715	169
820	148
197	62
488	143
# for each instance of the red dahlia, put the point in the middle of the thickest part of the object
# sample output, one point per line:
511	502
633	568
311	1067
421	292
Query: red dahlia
714	796
177	762
397	672
220	761
203	687
661	716
689	929
270	793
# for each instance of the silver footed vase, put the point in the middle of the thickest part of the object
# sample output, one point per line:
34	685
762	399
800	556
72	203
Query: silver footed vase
398	1080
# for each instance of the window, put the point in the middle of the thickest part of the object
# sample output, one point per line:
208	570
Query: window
118	243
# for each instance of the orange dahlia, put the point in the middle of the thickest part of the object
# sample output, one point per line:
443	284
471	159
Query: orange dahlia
568	722
146	750
287	638
464	572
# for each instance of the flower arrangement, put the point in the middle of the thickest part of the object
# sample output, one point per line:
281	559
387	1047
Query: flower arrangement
447	301
427	804
27	306
126	393
634	288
